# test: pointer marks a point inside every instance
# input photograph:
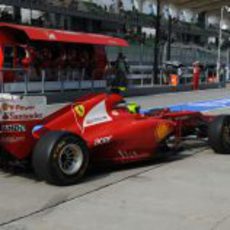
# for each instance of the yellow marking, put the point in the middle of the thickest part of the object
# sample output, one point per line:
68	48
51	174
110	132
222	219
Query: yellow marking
133	107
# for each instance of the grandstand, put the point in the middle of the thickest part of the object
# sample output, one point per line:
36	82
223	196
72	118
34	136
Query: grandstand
193	32
189	30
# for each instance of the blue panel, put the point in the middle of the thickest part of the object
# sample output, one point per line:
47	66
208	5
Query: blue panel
201	106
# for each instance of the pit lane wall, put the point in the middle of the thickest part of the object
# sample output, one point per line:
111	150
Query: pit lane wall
139	85
69	96
140	81
15	104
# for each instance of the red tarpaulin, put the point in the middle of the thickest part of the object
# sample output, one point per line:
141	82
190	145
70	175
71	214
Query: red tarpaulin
42	34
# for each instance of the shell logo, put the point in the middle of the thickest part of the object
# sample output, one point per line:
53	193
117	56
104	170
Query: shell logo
80	110
161	131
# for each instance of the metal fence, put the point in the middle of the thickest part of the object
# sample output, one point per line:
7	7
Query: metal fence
24	81
188	54
185	54
135	54
141	76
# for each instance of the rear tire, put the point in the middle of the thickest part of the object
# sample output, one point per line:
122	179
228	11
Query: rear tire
219	134
60	158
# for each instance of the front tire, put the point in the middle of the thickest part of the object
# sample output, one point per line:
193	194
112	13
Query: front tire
219	134
60	158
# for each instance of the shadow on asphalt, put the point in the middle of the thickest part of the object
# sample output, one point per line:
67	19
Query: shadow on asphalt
13	169
102	171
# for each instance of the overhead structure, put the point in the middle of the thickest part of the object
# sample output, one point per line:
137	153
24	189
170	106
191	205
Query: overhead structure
42	34
213	6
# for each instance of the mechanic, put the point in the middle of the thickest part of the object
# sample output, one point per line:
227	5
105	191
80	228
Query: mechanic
196	75
222	74
120	82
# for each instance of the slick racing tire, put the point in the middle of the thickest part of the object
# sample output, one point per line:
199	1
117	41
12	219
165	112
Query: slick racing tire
60	158
219	134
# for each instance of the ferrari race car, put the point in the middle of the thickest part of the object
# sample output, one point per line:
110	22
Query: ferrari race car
102	129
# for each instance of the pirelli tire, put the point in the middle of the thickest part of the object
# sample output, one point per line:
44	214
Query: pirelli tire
60	158
219	134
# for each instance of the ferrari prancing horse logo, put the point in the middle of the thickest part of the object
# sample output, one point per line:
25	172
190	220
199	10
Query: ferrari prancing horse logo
80	110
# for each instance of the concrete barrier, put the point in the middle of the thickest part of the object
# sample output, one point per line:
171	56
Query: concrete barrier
69	96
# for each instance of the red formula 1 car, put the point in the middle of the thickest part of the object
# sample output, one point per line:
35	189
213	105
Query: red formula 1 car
101	129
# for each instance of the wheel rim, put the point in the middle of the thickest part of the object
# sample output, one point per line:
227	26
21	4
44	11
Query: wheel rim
70	159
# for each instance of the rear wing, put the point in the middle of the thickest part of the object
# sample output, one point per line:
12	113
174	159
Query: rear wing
19	115
21	108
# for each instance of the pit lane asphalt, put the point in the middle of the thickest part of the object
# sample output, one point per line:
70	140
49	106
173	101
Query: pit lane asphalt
191	192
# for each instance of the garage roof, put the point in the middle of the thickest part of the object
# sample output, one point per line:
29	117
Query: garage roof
41	34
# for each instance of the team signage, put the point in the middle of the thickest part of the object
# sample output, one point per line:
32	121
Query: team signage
18	108
9	128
